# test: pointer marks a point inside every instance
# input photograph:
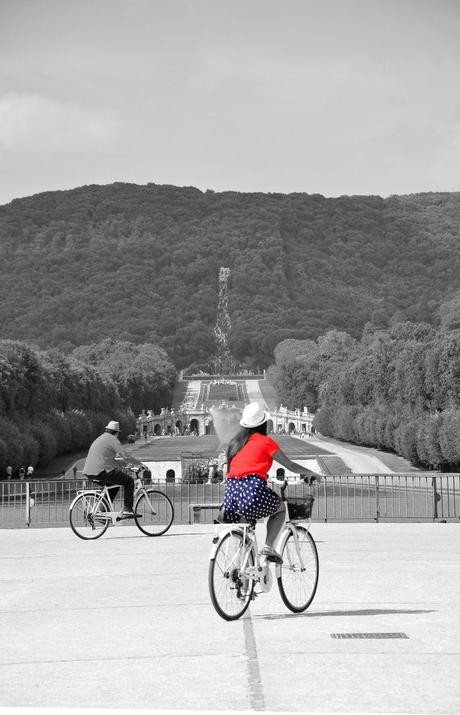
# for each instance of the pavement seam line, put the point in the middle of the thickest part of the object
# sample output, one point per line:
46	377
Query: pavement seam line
102	659
256	693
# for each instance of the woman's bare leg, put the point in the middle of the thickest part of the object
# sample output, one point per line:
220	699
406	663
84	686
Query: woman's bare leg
275	524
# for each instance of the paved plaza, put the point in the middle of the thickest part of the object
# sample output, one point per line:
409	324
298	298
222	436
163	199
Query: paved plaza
126	622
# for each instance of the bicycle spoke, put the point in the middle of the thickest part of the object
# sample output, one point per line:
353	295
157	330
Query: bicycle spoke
299	572
85	521
156	512
230	589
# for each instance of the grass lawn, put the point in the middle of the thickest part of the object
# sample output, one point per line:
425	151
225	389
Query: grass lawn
165	448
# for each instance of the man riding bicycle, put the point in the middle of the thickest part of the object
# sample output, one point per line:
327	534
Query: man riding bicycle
101	465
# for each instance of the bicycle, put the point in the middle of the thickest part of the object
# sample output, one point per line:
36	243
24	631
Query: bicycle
92	511
236	567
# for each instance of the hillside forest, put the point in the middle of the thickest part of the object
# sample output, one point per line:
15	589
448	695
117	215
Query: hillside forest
140	264
352	303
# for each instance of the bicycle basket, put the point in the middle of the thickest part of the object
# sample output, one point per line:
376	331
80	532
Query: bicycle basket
300	507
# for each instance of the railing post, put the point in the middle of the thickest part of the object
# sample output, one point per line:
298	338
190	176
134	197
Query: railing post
325	498
377	498
28	503
435	498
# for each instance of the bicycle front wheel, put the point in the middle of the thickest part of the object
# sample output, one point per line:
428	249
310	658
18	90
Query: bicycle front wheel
156	512
87	516
299	571
230	589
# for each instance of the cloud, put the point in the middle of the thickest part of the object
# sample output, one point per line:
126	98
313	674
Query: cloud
35	123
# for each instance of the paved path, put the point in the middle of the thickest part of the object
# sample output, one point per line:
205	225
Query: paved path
126	622
363	460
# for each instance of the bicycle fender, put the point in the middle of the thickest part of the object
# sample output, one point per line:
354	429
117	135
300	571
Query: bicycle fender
83	491
212	554
218	538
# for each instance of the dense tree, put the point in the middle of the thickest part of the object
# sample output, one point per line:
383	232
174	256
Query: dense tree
52	404
143	373
302	365
397	389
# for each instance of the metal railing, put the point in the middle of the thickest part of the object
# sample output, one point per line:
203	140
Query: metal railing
351	497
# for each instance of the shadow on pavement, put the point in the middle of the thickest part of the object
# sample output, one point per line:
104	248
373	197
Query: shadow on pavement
144	536
359	612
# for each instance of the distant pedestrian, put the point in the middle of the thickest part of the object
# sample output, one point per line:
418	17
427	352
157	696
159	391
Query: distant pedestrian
30	472
9	473
212	469
22	472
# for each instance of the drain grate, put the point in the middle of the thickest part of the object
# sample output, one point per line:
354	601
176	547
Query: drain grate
369	635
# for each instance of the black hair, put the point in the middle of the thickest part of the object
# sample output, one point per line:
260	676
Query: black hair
240	439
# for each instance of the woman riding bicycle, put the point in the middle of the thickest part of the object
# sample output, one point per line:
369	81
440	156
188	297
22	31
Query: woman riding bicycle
250	454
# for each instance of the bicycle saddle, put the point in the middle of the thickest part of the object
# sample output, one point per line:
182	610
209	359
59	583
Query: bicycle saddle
222	518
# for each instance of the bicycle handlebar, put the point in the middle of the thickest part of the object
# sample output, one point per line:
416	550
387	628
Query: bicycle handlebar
138	471
307	479
283	489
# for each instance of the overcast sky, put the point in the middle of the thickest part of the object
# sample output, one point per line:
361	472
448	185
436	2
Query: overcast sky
318	96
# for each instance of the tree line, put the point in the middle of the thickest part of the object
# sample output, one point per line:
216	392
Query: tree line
52	403
396	389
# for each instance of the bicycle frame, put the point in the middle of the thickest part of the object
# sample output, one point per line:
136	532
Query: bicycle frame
92	511
104	495
236	566
260	572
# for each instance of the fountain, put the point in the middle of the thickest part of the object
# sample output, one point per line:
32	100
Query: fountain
226	422
225	419
224	362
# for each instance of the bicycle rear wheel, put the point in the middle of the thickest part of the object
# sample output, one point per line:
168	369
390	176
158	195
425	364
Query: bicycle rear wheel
230	590
300	570
156	512
85	521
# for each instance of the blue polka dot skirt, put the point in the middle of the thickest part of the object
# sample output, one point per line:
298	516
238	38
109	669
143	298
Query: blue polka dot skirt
249	496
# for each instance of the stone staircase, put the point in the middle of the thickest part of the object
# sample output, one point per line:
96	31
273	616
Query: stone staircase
191	394
186	394
268	394
180	390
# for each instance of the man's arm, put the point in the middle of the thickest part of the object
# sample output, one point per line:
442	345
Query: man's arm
131	460
127	456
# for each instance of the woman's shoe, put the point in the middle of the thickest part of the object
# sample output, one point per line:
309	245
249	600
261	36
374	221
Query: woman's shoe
129	514
271	555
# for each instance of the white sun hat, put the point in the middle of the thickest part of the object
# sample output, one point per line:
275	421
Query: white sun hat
114	426
253	415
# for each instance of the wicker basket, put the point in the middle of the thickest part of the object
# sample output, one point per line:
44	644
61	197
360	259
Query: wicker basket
300	507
